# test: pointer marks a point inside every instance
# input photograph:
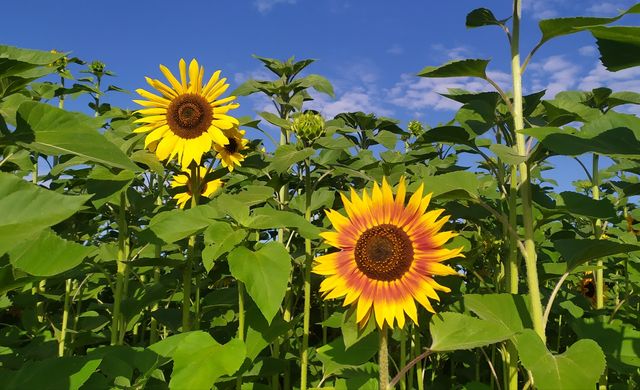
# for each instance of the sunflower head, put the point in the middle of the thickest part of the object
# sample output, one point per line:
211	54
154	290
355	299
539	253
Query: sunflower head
588	288
388	255
185	186
308	127
230	153
186	118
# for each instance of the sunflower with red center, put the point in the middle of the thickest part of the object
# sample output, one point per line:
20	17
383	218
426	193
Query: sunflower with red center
389	255
184	182
187	118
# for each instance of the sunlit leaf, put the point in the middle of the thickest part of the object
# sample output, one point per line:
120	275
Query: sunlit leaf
576	252
453	331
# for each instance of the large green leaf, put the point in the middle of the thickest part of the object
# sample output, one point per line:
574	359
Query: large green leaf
17	61
220	238
265	274
107	186
620	342
576	252
318	83
175	225
449	134
335	357
259	333
579	367
287	155
452	331
615	142
269	218
585	206
453	184
27	209
50	130
619	46
47	254
506	309
199	360
457	68
552	28
53	373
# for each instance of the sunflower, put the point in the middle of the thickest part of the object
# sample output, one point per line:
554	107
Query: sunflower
229	153
389	254
207	188
588	287
186	118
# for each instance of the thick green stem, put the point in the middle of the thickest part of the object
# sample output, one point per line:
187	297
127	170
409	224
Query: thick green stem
65	318
419	366
525	184
304	358
403	356
187	273
123	253
597	232
383	359
153	333
240	324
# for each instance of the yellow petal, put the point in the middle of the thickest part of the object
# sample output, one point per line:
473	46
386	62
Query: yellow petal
172	79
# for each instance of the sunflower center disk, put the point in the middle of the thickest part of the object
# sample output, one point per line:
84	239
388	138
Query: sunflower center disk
232	146
189	115
384	252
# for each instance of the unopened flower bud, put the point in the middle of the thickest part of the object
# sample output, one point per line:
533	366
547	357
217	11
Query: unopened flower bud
416	128
308	127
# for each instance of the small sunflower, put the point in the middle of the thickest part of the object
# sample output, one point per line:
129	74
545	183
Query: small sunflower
588	287
207	188
389	254
186	118
229	154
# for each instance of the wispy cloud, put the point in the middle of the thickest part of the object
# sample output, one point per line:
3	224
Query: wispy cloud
541	9
623	80
451	52
555	74
606	9
587	51
395	50
265	6
355	99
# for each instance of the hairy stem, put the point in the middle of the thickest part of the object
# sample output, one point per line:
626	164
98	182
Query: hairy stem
304	358
383	358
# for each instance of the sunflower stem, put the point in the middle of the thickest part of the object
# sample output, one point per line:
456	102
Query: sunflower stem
153	333
240	325
123	254
403	357
418	367
65	318
187	273
304	358
597	232
525	184
383	358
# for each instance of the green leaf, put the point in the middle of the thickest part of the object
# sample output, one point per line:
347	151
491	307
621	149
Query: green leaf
482	17
552	28
275	120
576	252
252	195
579	367
105	186
619	46
50	130
260	333
54	373
220	238
287	155
27	209
321	198
335	357
620	342
453	331
449	134
457	68
506	309
269	218
583	205
175	225
198	361
318	83
507	154
47	254
453	184
615	142
265	274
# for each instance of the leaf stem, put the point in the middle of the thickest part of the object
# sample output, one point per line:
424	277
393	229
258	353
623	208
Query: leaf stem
65	318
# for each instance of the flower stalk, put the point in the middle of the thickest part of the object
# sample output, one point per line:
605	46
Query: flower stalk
304	356
117	324
187	273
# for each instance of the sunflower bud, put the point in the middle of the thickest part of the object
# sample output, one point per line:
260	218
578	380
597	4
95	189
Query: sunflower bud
308	127
97	68
416	128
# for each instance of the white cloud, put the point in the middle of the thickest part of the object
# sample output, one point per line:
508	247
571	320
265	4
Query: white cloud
623	80
605	9
451	53
587	51
395	50
355	99
265	6
555	74
540	9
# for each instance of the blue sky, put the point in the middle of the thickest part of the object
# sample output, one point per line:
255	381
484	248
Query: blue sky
369	50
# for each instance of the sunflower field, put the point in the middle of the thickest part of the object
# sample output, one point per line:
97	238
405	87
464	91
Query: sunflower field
167	248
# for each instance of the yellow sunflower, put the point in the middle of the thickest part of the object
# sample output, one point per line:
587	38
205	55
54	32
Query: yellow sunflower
207	188
588	287
229	154
186	118
389	254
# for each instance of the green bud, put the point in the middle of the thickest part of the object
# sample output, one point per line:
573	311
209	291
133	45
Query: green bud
308	127
416	128
97	67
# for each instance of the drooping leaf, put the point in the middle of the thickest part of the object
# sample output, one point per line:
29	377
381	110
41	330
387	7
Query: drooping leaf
506	309
449	134
265	274
318	83
199	361
619	46
579	367
620	342
507	154
260	333
287	155
585	206
47	254
576	252
53	131
27	209
453	331
457	68
275	120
